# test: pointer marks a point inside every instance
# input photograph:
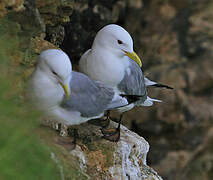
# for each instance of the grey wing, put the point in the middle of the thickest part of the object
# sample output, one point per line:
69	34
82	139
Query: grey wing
117	101
133	82
87	97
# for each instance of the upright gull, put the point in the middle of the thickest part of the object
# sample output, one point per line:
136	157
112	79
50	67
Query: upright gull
113	61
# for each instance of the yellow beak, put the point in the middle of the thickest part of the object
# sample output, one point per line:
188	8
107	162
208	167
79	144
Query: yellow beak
66	89
134	57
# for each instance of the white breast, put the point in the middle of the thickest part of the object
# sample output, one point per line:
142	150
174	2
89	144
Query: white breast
45	93
105	67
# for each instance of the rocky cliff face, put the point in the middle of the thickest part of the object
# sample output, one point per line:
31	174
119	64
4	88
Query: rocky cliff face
174	39
96	158
27	28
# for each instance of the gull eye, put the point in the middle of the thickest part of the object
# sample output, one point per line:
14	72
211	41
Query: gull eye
54	73
120	42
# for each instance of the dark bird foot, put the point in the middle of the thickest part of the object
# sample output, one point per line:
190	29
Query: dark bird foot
111	134
103	122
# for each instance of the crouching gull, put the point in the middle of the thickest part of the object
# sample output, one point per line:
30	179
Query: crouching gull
113	61
70	97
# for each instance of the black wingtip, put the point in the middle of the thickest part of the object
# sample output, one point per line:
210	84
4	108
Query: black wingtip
131	98
162	86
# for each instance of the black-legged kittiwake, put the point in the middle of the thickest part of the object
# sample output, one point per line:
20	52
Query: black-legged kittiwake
113	61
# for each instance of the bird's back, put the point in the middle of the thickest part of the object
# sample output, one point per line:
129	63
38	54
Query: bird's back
133	82
88	97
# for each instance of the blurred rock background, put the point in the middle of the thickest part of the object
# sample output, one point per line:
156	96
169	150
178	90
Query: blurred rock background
174	38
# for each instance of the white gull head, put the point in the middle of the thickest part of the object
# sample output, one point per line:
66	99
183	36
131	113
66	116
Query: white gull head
50	81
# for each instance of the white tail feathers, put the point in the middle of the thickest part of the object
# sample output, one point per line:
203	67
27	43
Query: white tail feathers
149	101
149	82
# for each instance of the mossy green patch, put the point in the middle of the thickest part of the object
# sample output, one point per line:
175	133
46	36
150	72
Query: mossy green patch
23	156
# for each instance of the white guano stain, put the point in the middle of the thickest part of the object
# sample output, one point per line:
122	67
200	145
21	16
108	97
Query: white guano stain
131	151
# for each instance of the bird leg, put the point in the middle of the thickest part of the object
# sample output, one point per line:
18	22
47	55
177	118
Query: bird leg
75	137
66	141
103	122
112	134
